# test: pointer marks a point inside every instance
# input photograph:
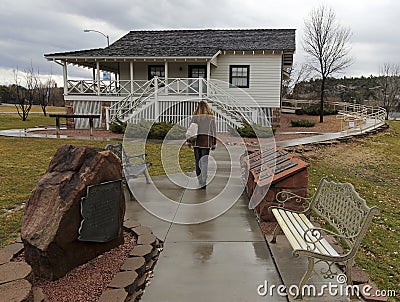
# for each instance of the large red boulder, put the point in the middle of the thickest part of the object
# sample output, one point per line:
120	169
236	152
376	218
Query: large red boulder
52	216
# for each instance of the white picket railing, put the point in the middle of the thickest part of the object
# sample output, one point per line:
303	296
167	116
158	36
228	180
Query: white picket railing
106	87
157	88
358	117
153	100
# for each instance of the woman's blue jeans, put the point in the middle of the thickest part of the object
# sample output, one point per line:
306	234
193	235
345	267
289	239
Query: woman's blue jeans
201	158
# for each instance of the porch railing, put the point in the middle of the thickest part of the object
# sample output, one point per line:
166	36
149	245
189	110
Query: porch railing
106	87
189	87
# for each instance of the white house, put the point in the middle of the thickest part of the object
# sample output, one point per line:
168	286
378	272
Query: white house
160	75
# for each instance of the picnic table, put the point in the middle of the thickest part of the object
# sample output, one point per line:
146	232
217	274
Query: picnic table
88	116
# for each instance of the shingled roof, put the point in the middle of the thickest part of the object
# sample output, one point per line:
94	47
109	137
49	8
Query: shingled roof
189	43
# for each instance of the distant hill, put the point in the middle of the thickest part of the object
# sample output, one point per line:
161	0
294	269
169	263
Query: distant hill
343	89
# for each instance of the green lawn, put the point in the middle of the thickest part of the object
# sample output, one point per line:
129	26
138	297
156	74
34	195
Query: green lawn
24	160
372	165
34	109
11	120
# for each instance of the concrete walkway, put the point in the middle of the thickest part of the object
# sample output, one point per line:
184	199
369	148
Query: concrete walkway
321	137
222	259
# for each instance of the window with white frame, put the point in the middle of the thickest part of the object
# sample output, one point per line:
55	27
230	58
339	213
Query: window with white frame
156	71
239	76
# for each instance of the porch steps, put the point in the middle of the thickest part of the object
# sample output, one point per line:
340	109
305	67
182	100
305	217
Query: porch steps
224	105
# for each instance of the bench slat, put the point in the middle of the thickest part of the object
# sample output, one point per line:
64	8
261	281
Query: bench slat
294	226
286	230
322	245
297	230
326	245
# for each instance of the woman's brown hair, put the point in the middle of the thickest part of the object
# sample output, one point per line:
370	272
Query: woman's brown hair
203	108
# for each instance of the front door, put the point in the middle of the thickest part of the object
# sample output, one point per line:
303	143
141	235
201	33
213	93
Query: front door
196	72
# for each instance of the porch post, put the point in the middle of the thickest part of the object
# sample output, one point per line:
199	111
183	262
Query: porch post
208	77
98	77
156	104
131	75
65	75
254	115
200	87
166	76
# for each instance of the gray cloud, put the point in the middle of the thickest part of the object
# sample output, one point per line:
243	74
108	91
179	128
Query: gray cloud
30	29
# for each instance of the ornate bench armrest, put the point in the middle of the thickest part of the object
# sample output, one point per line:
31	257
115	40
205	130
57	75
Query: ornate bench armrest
142	156
314	235
284	196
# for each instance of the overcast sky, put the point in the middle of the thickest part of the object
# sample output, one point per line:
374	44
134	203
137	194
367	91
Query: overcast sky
30	29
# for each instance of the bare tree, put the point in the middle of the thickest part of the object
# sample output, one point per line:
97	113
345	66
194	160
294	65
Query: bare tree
299	74
326	43
44	91
23	96
389	87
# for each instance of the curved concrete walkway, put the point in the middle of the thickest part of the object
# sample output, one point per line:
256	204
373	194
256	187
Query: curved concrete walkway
29	133
223	259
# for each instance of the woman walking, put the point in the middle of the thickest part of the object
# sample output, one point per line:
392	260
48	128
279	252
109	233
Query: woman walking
205	140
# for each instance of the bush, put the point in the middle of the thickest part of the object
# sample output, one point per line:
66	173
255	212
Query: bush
177	132
302	123
118	126
315	111
156	130
254	130
139	130
161	130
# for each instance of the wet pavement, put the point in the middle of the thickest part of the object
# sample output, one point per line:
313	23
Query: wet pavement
35	133
222	259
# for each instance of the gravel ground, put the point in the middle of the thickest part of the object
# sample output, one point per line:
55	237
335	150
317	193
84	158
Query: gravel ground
85	283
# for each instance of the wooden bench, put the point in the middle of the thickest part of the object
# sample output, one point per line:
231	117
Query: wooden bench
132	166
340	206
88	116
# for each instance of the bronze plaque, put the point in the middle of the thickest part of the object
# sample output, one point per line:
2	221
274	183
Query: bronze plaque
100	210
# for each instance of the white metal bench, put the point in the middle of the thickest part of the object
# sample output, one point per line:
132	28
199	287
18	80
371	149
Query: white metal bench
340	206
130	168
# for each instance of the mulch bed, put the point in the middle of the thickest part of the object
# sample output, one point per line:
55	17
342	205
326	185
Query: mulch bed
86	282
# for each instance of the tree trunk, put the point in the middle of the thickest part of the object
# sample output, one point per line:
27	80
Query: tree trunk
321	108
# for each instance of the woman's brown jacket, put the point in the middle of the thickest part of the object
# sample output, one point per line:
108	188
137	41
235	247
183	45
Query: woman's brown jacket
206	134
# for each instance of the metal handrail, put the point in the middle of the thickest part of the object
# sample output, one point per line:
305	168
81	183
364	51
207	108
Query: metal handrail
360	113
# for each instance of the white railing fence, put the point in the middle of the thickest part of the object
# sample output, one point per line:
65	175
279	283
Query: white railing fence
106	87
358	117
154	92
355	117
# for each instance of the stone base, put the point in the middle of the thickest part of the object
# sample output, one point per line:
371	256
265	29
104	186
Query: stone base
296	184
69	109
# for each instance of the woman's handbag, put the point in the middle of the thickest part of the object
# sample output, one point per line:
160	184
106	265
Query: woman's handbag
191	132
